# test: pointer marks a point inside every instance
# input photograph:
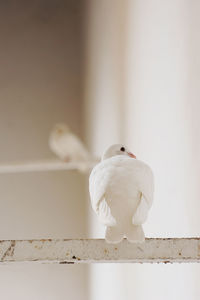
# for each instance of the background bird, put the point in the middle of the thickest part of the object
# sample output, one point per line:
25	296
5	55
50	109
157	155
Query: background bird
121	190
66	145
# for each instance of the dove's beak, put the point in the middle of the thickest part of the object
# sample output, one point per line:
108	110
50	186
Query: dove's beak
59	131
131	155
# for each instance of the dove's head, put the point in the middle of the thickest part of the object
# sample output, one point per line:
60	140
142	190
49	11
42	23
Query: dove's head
60	129
117	149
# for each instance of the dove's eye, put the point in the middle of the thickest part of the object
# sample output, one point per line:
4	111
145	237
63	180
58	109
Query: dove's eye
122	149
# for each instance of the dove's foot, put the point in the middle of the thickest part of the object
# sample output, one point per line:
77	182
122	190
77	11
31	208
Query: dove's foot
135	234
67	159
113	235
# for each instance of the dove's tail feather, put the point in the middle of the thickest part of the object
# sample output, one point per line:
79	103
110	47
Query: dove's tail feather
135	234
114	235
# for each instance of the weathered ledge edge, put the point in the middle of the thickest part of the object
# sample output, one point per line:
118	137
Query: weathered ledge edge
70	251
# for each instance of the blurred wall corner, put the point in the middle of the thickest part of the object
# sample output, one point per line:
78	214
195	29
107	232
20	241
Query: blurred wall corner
104	112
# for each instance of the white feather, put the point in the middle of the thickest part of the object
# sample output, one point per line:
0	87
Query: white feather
121	190
66	145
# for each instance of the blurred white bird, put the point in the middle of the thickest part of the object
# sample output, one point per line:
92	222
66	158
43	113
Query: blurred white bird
66	145
121	190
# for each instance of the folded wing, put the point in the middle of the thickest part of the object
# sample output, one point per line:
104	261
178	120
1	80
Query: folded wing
146	187
98	181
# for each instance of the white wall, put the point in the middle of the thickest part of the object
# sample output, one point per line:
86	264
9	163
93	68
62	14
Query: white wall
159	122
159	110
40	56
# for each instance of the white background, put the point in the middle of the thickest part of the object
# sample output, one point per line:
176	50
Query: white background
115	71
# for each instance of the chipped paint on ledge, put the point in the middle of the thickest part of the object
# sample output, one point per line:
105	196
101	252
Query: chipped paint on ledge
157	250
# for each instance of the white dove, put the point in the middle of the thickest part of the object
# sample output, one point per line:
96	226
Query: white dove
66	145
121	190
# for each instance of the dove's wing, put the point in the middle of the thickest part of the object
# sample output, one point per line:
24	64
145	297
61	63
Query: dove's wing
146	188
74	147
98	181
137	173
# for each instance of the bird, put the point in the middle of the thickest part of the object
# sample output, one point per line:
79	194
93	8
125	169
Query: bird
121	190
66	145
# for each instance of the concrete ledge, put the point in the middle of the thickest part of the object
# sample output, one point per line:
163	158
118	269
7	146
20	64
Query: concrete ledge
158	250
